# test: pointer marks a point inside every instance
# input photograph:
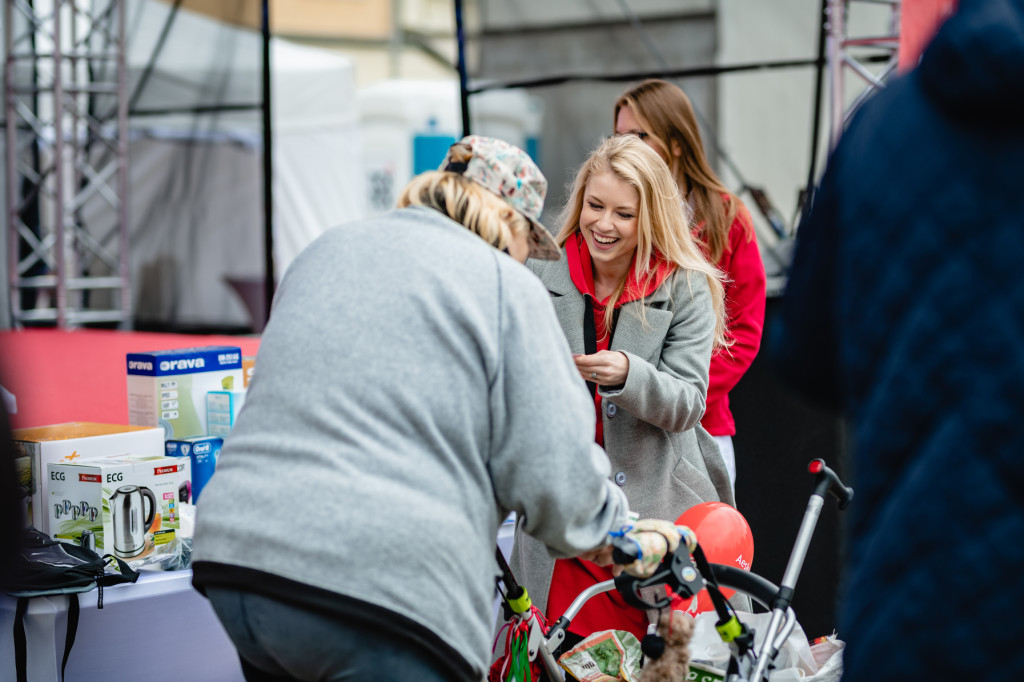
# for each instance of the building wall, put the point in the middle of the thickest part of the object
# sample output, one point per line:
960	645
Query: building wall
766	117
362	18
544	39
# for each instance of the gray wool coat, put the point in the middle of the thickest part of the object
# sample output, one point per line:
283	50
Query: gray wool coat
660	455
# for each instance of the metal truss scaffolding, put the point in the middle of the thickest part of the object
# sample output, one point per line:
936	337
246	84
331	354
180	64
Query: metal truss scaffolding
854	53
66	148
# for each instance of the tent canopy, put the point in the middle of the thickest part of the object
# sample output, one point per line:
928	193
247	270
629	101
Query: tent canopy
203	63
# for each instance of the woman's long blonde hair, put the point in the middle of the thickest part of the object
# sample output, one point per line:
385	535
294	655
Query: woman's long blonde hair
464	201
661	220
666	114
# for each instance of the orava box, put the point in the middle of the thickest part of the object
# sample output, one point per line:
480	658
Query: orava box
222	408
168	388
72	442
130	503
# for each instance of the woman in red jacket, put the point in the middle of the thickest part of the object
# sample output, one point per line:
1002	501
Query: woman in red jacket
660	114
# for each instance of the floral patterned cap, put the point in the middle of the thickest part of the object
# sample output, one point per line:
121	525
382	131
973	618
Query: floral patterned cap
509	172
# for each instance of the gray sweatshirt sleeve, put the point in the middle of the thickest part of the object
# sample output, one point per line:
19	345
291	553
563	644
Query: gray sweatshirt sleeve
545	464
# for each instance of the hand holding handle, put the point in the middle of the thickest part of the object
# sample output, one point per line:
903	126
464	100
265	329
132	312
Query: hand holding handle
641	549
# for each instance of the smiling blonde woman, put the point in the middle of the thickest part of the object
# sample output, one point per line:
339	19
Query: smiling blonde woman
642	310
660	114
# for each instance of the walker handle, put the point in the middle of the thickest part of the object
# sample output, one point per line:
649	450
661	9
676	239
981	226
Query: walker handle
828	482
624	551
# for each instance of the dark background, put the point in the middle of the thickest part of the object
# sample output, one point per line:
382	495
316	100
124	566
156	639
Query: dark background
777	435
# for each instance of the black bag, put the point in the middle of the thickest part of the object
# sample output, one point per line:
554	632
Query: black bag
46	567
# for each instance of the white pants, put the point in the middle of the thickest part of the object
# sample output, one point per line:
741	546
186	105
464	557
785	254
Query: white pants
729	455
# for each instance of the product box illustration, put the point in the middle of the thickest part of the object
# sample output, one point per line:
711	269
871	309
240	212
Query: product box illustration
131	504
222	408
168	388
37	447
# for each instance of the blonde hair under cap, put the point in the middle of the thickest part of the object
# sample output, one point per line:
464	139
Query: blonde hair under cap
465	202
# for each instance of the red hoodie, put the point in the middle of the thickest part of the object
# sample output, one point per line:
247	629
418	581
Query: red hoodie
744	309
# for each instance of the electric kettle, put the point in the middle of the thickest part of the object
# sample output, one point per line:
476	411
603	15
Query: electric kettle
130	518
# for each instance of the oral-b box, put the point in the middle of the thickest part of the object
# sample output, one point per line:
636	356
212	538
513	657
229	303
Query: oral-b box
35	448
203	452
168	388
222	408
131	504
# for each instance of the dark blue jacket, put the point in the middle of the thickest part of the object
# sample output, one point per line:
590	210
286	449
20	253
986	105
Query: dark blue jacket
905	310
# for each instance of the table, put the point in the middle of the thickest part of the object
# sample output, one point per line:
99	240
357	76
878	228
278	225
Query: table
158	629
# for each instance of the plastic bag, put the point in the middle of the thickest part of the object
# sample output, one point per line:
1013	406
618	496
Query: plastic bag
796	660
828	654
171	549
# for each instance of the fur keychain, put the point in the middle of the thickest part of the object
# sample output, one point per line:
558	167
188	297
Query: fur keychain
675	629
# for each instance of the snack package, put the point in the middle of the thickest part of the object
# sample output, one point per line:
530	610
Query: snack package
604	656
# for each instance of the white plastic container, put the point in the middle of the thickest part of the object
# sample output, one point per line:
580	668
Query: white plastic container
406	126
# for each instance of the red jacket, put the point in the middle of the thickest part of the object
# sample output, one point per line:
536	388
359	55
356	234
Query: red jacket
744	306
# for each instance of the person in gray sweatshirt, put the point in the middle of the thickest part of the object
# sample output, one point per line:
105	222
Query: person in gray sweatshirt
412	388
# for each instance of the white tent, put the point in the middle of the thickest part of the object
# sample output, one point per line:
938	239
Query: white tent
196	179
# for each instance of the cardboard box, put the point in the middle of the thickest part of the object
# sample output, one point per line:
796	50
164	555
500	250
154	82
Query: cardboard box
168	388
76	441
81	493
222	408
203	452
248	366
23	487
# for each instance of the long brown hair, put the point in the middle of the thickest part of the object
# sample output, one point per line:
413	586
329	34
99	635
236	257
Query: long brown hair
666	114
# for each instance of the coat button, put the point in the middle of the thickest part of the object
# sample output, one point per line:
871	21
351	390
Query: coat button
611	409
620	478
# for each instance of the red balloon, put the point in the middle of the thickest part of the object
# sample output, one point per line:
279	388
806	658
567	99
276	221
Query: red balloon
725	537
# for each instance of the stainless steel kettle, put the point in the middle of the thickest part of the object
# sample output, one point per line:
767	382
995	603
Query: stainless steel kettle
130	518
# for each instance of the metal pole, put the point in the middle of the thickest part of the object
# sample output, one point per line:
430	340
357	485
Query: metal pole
463	92
122	168
58	166
818	93
268	176
11	219
396	39
836	32
76	147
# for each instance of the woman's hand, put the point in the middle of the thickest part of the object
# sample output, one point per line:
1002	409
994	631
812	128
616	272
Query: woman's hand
604	368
